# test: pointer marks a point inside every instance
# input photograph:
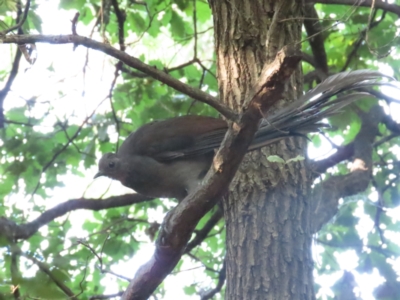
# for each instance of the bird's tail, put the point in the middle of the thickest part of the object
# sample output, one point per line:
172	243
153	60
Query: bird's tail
305	114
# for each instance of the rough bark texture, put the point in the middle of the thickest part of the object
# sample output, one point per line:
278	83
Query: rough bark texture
267	213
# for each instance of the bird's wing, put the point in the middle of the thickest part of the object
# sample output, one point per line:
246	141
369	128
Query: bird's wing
190	136
173	138
202	144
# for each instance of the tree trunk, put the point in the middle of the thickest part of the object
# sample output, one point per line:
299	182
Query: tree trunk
267	211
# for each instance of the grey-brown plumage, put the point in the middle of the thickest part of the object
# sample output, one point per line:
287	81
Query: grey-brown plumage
170	158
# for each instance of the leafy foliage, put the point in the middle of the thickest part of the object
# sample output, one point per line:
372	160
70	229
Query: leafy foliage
55	132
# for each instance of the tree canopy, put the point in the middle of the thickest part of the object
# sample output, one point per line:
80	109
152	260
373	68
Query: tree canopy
67	96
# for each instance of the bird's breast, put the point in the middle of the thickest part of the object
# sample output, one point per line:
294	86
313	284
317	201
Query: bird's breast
174	179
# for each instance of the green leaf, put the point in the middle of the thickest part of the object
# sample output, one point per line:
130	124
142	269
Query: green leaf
8	6
6	185
295	159
72	4
360	19
316	140
276	159
182	4
190	290
203	11
86	16
36	21
136	22
177	26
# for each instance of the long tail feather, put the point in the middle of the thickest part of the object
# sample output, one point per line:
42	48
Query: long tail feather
303	115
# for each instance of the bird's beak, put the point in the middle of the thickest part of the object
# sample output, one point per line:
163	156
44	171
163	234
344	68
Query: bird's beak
98	174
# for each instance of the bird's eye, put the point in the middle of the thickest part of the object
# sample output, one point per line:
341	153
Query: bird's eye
111	164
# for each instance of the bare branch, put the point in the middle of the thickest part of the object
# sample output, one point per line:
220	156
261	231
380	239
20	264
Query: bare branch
11	77
314	75
392	125
379	249
45	269
308	59
64	147
179	223
393	8
128	60
74	22
195	29
195	258
118	67
121	17
21	22
15	66
327	194
221	280
379	211
347	151
181	66
342	153
386	139
363	36
100	297
313	27
380	95
132	73
14	231
203	232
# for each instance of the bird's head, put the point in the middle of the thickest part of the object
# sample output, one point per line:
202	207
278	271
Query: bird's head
110	166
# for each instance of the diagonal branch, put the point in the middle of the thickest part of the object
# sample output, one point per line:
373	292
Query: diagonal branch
179	223
128	60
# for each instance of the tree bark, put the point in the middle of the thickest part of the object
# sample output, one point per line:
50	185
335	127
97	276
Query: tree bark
267	211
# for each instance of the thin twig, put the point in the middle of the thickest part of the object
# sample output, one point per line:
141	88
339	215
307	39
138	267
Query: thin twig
21	22
63	148
221	281
132	62
74	22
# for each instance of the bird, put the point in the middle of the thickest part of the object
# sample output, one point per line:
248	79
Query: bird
169	158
